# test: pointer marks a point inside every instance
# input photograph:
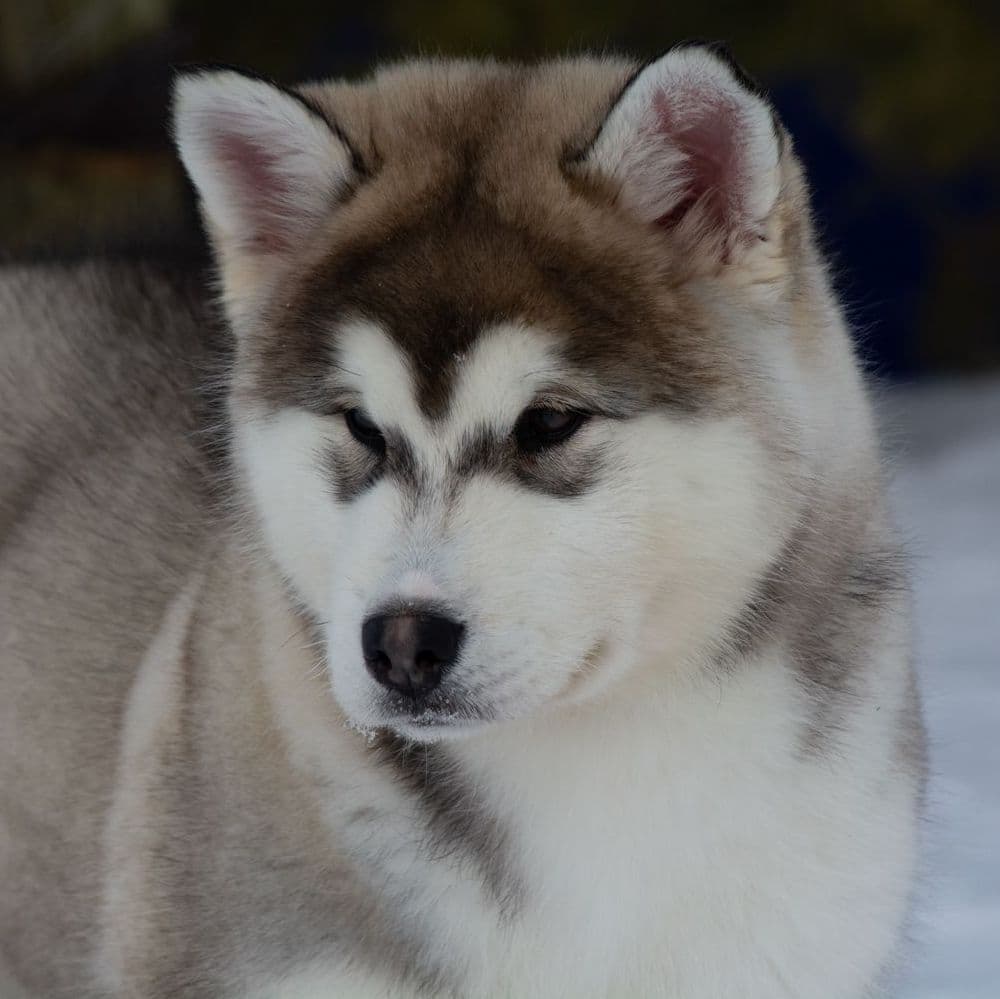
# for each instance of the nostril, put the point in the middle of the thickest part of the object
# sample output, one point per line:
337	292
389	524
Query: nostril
380	660
410	652
371	638
441	637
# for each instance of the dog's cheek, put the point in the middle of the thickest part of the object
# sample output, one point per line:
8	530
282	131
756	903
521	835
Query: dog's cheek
292	497
712	526
367	539
524	565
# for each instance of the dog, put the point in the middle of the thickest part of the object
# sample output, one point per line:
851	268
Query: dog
486	589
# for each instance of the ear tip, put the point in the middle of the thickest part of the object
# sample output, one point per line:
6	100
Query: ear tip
194	79
717	59
189	83
202	95
183	87
195	90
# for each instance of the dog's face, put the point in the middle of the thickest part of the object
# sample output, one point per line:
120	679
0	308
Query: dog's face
496	412
552	524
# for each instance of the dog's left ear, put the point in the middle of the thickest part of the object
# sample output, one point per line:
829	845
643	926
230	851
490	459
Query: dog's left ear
692	144
270	171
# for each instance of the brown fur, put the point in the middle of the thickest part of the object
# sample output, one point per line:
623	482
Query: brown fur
127	592
475	210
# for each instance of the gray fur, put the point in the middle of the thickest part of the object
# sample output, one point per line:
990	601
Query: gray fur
168	826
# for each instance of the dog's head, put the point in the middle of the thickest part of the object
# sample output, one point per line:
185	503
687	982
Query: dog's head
514	379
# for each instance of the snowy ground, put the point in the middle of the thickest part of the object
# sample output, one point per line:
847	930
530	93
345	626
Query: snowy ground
947	493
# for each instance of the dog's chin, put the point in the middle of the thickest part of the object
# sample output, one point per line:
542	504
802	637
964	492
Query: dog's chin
436	718
430	730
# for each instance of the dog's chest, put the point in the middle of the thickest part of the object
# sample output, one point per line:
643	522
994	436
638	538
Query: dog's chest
656	865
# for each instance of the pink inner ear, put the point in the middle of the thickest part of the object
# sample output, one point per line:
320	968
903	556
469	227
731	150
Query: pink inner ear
262	190
707	136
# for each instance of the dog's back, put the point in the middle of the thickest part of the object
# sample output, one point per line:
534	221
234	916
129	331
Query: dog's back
552	637
102	478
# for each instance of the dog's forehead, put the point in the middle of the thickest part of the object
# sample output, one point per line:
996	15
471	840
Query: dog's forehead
500	373
439	284
471	226
507	369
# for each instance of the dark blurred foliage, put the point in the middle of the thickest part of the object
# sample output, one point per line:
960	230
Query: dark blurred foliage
894	106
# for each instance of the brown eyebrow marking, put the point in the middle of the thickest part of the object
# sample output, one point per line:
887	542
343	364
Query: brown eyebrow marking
353	470
565	472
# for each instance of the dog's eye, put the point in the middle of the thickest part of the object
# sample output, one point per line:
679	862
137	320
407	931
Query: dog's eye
364	430
541	427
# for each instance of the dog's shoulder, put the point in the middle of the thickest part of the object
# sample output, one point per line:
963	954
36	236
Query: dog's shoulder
95	355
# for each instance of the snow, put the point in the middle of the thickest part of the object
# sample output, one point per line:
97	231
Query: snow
945	446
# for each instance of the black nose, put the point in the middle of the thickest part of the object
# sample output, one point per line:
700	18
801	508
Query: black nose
410	652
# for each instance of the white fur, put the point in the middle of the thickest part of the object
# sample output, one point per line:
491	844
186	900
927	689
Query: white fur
267	171
679	531
674	839
650	162
308	164
669	831
673	835
282	455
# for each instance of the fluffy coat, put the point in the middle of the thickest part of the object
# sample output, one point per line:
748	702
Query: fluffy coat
680	753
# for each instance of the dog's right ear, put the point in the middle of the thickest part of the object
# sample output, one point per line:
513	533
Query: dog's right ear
268	167
693	146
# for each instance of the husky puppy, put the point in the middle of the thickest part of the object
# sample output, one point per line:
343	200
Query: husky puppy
538	632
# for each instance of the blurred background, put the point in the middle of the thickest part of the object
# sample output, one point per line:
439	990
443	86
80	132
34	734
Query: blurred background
894	105
895	108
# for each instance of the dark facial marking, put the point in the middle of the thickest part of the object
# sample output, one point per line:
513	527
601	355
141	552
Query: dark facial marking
457	821
451	236
565	472
826	611
352	471
561	473
434	282
354	468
